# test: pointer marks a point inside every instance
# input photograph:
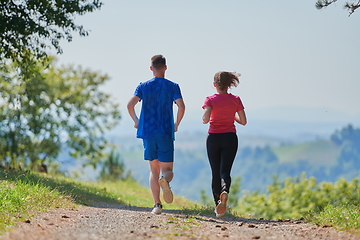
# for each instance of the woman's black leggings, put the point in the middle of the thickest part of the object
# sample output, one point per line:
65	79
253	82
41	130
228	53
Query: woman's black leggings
221	151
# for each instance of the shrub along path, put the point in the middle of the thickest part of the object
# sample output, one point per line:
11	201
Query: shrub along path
109	221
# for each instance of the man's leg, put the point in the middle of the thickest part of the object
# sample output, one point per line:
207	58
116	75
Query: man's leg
167	176
167	170
154	180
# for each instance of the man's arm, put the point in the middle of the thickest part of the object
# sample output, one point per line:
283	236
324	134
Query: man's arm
131	109
180	113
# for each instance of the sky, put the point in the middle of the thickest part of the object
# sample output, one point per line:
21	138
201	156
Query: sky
297	63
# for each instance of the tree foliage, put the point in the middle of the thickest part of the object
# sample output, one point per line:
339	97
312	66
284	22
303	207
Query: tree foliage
348	138
347	134
296	197
351	7
55	108
113	169
29	27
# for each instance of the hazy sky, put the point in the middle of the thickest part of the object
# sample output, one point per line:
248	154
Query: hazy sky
290	55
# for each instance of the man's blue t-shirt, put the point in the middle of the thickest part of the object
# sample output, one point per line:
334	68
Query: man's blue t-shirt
156	116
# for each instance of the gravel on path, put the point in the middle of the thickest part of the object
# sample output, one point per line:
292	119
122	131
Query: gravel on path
109	221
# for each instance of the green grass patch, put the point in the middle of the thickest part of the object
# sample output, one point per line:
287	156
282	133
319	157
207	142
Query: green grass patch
340	217
23	194
20	199
80	192
132	194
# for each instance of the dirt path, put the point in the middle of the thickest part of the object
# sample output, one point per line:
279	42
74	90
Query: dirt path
124	222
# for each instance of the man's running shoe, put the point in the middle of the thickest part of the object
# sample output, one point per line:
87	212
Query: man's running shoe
157	209
221	207
167	193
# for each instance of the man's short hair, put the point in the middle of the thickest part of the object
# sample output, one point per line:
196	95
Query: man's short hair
158	61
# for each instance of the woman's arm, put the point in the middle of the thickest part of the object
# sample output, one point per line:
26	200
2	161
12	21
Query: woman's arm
241	117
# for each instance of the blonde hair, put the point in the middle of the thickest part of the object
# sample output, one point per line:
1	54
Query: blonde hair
225	80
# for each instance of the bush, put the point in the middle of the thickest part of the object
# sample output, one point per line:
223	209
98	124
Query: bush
295	198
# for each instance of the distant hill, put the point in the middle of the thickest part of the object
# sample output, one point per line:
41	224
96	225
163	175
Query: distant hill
317	152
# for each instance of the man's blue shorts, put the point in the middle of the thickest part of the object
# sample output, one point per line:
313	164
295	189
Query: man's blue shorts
163	150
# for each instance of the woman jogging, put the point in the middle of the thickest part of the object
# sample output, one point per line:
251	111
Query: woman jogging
222	110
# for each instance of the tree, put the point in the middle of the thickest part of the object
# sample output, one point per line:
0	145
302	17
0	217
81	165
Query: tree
347	134
113	169
348	139
55	108
351	7
29	27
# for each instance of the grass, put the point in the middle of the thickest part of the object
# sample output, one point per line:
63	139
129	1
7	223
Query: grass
181	225
22	197
132	194
344	218
23	194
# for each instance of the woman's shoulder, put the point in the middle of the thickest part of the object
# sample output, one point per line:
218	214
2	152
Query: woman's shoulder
211	96
233	95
